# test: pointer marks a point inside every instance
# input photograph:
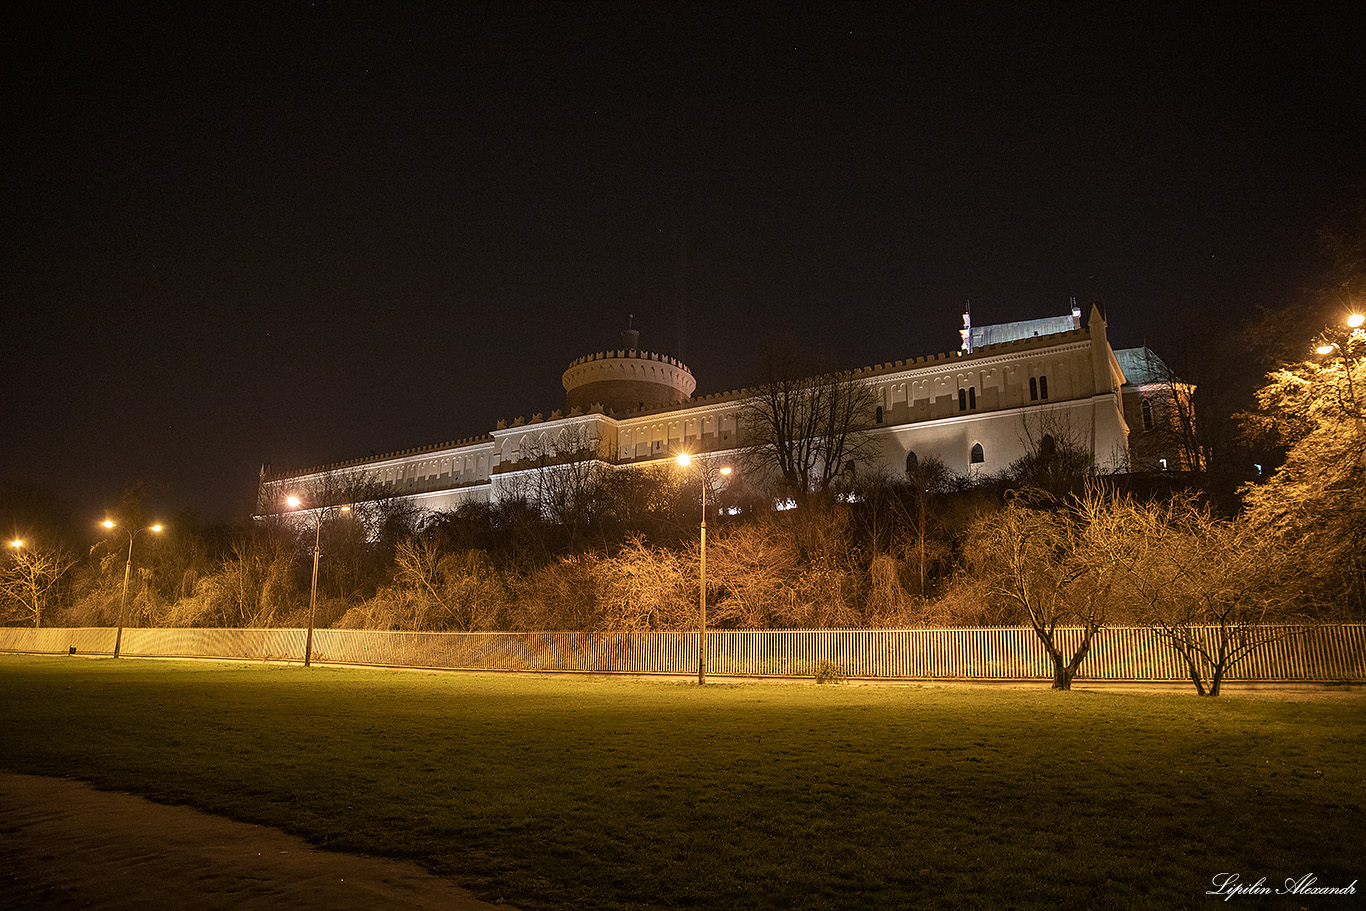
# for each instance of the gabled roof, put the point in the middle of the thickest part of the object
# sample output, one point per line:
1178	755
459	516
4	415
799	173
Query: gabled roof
1143	367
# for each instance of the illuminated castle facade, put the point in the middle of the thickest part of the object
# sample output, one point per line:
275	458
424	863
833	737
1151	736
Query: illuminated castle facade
977	410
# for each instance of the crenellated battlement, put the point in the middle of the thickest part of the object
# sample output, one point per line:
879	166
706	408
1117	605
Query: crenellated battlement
626	379
538	417
940	360
374	459
627	353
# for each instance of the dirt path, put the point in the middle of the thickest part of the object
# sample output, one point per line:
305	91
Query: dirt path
65	845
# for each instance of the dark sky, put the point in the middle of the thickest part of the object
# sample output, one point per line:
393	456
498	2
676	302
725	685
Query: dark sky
303	232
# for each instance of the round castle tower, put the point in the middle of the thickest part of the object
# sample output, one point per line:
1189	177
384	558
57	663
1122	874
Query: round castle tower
627	378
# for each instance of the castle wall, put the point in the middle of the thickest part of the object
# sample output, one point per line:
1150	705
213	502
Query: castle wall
1000	397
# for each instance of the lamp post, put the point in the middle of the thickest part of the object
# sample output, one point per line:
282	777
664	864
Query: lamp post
295	503
127	570
685	460
1350	347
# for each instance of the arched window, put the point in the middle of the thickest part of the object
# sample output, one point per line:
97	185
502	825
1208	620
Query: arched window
962	400
912	463
1033	389
1043	387
878	419
1048	447
977	454
972	396
1147	415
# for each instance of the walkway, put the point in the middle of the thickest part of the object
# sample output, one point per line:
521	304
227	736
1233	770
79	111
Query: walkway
65	845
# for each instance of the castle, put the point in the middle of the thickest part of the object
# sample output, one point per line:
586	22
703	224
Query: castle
977	410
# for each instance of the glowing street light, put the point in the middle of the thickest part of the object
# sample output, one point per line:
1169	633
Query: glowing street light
1350	346
295	503
685	460
127	569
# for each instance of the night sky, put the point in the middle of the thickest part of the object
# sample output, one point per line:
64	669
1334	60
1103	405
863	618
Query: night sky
306	232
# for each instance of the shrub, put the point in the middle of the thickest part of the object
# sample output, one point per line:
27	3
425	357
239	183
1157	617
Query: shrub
830	672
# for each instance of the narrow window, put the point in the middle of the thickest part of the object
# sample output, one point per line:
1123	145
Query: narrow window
1048	447
962	400
972	396
1147	415
879	414
912	462
977	454
1043	387
1033	389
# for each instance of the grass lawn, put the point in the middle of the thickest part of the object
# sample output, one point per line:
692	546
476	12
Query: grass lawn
580	793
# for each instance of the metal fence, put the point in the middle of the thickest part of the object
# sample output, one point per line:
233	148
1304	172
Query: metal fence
1306	654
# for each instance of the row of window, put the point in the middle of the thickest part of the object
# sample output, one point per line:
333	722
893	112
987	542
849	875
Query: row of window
967	397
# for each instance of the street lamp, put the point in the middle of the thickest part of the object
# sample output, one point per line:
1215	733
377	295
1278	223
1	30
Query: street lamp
127	569
295	503
1350	346
685	460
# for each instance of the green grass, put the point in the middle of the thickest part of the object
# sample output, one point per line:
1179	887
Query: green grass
565	792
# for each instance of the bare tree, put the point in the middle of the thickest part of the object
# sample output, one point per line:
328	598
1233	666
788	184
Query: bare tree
1211	588
753	568
28	577
253	587
645	588
362	520
1058	457
649	501
1172	409
1057	565
927	479
806	428
446	591
568	476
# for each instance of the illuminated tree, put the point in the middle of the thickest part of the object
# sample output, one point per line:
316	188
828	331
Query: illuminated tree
253	586
646	588
28	575
1210	587
444	591
1314	506
1056	566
